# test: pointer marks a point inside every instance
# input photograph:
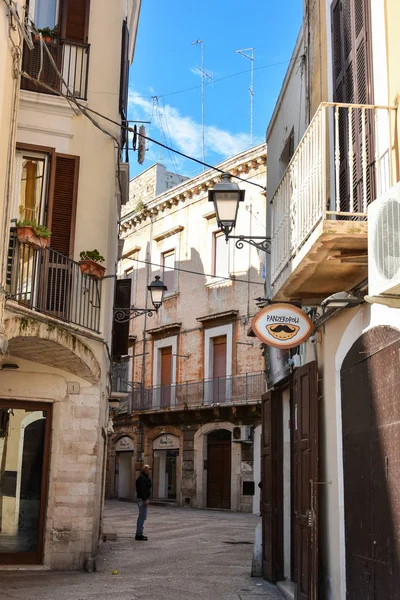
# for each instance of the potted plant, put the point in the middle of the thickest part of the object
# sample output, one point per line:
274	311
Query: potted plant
89	264
48	34
33	234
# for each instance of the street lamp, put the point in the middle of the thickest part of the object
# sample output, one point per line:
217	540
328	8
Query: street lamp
226	196
341	300
156	289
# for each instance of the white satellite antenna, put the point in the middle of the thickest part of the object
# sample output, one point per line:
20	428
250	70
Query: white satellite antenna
251	88
204	75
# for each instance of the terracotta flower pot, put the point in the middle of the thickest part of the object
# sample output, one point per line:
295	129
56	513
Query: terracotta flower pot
26	235
91	268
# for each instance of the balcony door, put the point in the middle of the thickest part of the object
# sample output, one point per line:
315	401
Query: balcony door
219	368
166	376
353	84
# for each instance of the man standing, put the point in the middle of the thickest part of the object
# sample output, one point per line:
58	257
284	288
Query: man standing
143	491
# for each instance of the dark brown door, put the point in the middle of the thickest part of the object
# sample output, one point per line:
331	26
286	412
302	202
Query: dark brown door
272	486
305	442
166	375
219	368
353	84
219	469
370	383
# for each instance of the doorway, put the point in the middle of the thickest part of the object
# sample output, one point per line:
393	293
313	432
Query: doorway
124	475
164	474
219	460
370	382
24	455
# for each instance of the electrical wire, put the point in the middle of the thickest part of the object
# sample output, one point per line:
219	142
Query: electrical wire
196	87
147	262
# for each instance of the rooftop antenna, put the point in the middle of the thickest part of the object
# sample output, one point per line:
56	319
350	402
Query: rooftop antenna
204	74
251	88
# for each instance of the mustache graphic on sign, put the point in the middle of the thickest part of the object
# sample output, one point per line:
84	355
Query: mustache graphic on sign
282	332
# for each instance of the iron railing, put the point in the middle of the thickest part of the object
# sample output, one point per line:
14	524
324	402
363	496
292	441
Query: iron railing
72	61
239	389
49	282
343	162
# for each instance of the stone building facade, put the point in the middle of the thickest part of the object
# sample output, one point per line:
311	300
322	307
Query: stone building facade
195	378
60	172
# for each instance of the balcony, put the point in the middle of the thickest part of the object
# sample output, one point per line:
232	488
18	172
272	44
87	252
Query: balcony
48	282
72	60
238	389
345	160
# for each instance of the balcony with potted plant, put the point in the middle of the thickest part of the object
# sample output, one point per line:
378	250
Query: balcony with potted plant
90	264
31	233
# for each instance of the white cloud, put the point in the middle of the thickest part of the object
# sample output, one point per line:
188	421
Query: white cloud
186	133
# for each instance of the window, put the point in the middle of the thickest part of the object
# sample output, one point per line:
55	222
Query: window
168	275
131	274
221	255
45	191
45	13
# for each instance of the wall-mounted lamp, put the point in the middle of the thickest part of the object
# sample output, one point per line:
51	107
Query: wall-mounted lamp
341	300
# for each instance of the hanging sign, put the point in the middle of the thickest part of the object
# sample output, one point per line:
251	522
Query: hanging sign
166	442
282	326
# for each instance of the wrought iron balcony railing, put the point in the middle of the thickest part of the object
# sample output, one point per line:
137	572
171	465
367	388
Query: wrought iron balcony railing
344	161
72	60
238	389
48	282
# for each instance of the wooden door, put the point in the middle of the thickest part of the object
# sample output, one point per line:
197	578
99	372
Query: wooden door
219	469
166	375
272	486
370	383
305	448
219	368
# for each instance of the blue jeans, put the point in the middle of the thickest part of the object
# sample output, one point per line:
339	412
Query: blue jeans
142	517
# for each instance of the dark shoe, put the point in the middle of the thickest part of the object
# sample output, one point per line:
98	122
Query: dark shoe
141	538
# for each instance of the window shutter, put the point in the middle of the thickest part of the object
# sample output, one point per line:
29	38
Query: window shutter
75	20
62	202
121	330
124	76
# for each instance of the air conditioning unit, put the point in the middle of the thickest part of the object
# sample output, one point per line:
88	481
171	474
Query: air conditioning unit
384	244
242	433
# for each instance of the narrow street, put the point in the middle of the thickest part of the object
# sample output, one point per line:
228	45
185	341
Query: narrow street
191	555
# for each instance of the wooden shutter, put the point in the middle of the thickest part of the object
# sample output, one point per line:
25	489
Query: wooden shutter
75	20
124	75
121	330
305	439
272	486
62	202
353	84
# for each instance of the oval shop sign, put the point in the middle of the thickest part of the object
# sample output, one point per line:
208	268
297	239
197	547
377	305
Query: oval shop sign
282	325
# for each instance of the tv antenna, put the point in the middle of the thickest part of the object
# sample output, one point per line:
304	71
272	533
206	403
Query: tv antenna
204	75
251	88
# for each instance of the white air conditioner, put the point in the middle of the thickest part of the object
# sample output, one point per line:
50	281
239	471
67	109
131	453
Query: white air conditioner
384	244
241	433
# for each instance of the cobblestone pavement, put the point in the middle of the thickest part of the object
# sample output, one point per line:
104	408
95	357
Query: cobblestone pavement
191	555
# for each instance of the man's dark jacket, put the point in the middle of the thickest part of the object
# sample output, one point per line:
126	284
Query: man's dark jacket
143	486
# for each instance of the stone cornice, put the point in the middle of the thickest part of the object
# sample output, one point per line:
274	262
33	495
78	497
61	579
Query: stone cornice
250	160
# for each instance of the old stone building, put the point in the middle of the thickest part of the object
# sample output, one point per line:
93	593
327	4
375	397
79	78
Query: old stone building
59	174
195	378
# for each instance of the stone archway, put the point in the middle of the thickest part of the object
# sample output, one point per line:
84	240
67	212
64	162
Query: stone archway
49	344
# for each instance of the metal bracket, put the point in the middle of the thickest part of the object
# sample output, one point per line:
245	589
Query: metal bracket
264	244
123	315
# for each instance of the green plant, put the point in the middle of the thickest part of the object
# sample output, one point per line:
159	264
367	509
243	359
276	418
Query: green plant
39	230
47	32
92	255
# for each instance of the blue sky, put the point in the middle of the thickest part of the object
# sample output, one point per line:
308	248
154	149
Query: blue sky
165	62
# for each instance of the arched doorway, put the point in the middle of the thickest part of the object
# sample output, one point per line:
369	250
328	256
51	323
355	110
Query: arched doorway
370	383
219	459
165	454
123	468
